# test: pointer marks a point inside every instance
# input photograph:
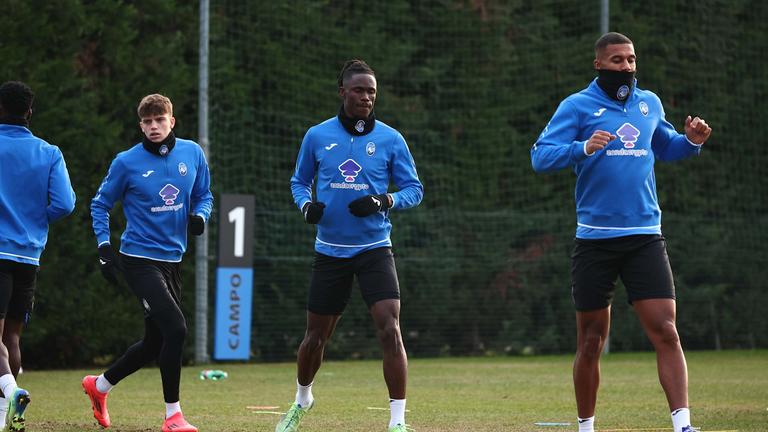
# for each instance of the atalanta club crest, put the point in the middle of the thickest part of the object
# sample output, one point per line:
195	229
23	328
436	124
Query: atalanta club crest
182	168
643	108
370	148
360	126
623	92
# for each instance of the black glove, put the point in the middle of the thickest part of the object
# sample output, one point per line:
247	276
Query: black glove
369	205
109	264
196	225
313	211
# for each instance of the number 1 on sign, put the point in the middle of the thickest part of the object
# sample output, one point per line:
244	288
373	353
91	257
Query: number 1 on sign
237	215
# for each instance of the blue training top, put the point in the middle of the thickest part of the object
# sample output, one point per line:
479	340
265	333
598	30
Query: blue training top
34	191
349	167
615	187
158	194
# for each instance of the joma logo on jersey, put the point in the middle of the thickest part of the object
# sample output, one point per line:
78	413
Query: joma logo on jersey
628	134
350	169
169	193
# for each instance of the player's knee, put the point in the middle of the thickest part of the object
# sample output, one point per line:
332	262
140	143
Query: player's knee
177	330
667	334
592	345
389	335
11	341
314	340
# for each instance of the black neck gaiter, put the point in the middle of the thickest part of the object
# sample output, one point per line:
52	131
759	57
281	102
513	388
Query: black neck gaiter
356	126
14	120
161	148
616	84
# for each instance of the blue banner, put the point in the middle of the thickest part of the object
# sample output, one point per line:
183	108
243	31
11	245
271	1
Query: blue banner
232	332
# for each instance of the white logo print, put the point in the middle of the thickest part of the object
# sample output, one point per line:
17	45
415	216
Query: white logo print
599	112
330	146
183	169
148	173
376	201
643	108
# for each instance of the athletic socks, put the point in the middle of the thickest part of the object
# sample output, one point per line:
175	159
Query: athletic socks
102	385
587	424
7	385
396	412
681	418
3	411
172	408
304	394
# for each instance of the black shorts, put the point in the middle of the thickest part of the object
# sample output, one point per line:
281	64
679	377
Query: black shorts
331	284
157	284
640	260
17	290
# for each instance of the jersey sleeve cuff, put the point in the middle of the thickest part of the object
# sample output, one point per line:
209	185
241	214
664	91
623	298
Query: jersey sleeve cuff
692	143
394	200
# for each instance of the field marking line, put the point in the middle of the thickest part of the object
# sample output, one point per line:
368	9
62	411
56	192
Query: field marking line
265	407
268	412
657	429
382	409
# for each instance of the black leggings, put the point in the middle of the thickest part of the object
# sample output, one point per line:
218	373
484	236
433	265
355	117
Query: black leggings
157	285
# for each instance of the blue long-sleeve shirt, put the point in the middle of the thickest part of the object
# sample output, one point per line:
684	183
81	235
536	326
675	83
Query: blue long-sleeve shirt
158	194
35	190
616	186
349	167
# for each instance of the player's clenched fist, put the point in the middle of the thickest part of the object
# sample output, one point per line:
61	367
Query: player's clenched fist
598	141
697	130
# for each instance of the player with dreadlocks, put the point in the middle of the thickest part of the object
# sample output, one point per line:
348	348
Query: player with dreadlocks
354	157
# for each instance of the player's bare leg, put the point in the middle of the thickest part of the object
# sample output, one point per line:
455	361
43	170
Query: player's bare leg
386	316
11	337
310	356
658	319
592	330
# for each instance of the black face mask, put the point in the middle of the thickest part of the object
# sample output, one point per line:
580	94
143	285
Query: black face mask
15	120
617	84
163	147
357	126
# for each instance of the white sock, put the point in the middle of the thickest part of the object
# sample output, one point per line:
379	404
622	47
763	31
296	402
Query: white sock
681	418
396	412
172	408
587	424
7	385
304	394
3	410
103	385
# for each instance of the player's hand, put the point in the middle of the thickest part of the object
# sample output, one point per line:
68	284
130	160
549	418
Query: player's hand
369	205
313	211
697	130
598	141
196	224
109	264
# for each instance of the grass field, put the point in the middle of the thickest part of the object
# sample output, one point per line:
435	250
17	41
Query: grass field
728	391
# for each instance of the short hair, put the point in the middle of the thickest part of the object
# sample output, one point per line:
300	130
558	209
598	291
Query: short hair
155	105
16	98
611	38
354	67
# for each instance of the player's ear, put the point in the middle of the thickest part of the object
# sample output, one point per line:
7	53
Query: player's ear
173	121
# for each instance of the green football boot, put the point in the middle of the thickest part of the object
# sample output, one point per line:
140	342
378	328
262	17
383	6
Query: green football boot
398	428
14	421
291	420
